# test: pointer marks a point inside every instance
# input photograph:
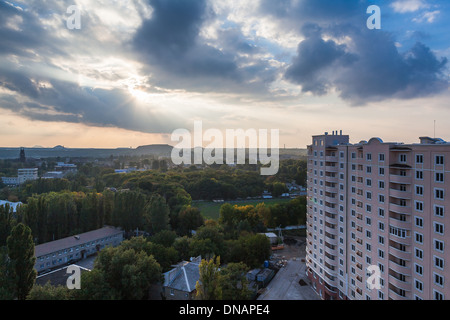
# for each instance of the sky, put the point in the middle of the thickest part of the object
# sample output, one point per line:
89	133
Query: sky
137	70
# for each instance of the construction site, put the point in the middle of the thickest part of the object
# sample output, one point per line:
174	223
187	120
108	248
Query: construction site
288	262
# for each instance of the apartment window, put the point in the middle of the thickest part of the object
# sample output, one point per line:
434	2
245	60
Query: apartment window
419	269
419	158
401	233
341	154
439	280
369	157
439	263
368	208
419	205
368	247
369	182
419	190
419	237
368	234
439	211
381	157
438	295
381	171
419	285
439	245
381	212
439	194
369	195
439	228
419	253
381	240
439	177
381	198
353	155
439	160
381	226
402	158
419	222
369	169
419	175
381	184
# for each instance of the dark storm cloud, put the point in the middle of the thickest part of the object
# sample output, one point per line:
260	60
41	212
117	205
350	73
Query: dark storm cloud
68	102
41	95
170	45
368	68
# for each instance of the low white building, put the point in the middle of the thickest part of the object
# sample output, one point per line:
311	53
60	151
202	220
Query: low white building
27	174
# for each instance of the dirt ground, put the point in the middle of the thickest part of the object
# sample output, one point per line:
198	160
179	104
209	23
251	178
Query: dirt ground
293	250
286	285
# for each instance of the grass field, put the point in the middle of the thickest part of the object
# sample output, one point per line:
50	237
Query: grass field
211	210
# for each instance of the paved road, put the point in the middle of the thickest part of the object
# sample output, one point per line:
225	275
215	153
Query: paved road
285	286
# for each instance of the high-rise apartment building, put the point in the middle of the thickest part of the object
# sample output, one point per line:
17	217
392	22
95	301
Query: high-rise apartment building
383	205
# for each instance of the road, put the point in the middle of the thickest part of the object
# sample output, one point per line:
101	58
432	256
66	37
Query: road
285	286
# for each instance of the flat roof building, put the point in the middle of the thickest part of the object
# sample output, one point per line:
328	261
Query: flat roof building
60	252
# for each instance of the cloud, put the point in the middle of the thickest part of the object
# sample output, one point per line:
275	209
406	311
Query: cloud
404	6
170	45
360	65
429	17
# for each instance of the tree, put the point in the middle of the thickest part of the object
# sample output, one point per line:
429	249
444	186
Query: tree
6	223
234	282
208	286
157	214
189	219
7	288
121	273
49	292
165	238
21	252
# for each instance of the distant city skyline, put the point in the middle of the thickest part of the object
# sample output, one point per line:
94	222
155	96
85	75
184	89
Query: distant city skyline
136	71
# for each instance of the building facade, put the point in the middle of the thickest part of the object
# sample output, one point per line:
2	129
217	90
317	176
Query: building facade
27	174
382	205
55	254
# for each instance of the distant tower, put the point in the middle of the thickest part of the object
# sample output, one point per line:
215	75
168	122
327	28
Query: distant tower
22	155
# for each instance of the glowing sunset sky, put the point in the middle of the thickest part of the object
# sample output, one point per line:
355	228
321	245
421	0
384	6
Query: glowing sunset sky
138	70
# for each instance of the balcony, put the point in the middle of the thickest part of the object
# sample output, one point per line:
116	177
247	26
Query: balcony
405	255
393	265
330	218
331	169
400	224
399	194
331	159
332	200
400	179
400	284
399	209
397	294
330	260
331	189
331	230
